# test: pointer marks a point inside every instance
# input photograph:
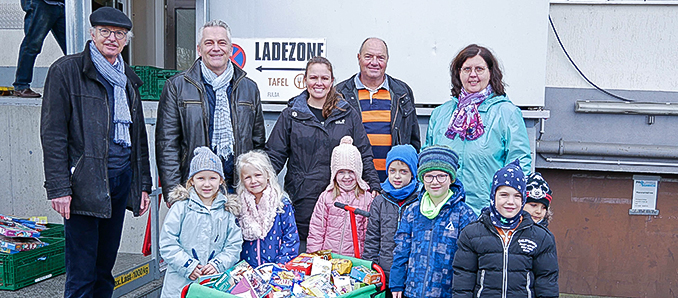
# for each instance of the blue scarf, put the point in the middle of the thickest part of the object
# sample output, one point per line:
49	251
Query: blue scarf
401	193
114	74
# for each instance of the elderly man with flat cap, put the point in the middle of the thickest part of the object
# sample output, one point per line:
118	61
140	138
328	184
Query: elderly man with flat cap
95	151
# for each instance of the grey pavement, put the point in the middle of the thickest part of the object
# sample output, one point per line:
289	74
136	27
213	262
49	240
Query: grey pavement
54	287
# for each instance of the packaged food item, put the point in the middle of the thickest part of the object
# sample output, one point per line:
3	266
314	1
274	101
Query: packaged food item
365	275
29	223
301	263
325	254
322	267
265	270
318	286
342	284
341	266
242	270
20	243
9	228
282	280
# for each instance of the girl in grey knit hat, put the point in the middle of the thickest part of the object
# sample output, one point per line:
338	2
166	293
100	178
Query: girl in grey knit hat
199	236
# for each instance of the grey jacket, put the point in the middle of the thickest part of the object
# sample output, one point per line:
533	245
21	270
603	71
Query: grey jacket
381	228
183	122
404	124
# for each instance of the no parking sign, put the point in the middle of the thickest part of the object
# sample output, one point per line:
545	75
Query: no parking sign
277	64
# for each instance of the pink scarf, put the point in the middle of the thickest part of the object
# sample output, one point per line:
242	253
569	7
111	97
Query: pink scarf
257	219
466	121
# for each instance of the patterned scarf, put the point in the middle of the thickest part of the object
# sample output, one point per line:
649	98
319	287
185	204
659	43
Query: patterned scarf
114	74
222	137
466	121
257	219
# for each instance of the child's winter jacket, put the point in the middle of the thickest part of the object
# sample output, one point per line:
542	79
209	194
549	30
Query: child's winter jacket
485	267
330	227
280	245
385	213
194	234
422	260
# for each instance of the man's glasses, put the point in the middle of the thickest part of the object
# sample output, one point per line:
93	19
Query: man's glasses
119	34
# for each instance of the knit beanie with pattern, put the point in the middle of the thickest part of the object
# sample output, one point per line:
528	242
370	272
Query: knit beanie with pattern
205	160
511	175
538	190
347	157
440	158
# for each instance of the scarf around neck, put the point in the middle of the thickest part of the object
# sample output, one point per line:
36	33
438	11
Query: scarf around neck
222	137
430	210
257	219
401	193
466	121
114	74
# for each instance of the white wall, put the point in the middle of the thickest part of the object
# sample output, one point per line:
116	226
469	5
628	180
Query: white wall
631	47
423	36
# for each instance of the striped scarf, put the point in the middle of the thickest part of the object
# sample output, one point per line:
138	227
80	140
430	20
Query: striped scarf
222	137
114	74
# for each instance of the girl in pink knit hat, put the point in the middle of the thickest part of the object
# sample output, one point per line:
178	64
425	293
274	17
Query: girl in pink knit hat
330	227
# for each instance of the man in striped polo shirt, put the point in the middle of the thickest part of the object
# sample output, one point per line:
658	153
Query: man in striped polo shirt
386	104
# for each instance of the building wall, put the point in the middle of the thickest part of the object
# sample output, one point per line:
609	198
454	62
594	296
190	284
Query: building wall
604	251
627	49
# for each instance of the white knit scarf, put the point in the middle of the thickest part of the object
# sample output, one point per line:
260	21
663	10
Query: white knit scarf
257	219
222	136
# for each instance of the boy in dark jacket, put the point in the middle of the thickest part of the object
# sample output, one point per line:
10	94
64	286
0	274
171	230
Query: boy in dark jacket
504	253
427	233
399	190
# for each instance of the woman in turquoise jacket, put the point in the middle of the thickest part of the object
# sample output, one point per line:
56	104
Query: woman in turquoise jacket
480	124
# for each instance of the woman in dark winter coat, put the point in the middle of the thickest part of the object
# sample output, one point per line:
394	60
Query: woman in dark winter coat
305	134
504	253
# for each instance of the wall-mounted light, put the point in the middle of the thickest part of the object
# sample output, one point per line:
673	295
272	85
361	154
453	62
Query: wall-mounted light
613	107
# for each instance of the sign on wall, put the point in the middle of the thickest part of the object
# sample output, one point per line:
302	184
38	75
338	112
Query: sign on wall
277	64
645	195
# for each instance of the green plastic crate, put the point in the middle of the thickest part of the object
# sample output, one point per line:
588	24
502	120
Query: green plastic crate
53	230
154	80
29	267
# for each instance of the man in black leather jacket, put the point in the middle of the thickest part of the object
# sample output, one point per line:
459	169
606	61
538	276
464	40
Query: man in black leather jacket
211	104
386	104
95	151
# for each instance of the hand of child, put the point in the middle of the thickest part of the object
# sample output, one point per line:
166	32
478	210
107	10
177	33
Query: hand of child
397	294
196	273
209	270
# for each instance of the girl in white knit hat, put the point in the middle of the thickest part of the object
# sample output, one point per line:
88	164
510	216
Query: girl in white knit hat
330	227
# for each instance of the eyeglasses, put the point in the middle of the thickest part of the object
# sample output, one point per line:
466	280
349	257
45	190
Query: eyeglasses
440	177
119	34
478	69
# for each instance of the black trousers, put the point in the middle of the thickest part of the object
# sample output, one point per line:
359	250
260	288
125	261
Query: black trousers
92	244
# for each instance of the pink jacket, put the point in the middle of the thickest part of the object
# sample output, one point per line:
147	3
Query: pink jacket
330	227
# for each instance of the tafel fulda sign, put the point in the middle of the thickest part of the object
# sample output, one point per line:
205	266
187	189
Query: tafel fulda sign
277	64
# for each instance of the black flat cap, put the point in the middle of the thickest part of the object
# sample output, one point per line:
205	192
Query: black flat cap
109	16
